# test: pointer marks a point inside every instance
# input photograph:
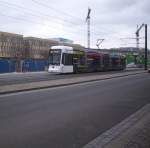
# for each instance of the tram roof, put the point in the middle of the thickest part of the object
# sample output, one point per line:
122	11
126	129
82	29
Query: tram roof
62	47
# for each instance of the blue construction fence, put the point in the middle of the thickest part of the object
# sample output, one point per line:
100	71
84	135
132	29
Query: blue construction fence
34	65
7	65
29	65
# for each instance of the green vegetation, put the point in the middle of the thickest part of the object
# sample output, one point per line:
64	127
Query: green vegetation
139	59
130	58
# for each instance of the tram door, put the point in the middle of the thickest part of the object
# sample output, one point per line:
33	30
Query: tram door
67	61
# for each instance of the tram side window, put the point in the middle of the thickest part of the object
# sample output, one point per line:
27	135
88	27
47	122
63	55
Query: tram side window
67	59
82	60
106	60
115	61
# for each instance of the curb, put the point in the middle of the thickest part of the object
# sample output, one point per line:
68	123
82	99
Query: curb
67	84
21	73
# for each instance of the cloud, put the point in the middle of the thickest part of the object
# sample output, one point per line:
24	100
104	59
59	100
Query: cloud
110	19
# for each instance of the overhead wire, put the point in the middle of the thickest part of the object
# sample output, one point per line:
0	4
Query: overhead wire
47	17
38	13
39	16
56	10
32	22
49	27
61	12
35	22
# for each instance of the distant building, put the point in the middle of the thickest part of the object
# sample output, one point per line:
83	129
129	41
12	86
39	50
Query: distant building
11	45
37	48
63	40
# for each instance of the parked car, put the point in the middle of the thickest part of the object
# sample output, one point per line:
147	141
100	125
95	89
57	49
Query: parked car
131	65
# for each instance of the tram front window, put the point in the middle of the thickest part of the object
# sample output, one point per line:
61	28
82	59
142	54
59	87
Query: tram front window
54	57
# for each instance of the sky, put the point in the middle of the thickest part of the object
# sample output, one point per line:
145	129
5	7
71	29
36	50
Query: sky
115	21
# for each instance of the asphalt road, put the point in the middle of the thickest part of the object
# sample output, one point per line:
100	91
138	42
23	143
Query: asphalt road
16	78
69	117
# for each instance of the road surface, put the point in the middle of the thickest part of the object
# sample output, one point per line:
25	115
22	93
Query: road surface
71	116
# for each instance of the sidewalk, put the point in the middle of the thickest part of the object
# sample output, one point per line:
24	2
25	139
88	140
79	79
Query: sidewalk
36	72
22	73
62	82
133	132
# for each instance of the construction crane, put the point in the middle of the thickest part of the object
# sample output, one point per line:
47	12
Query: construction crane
88	27
137	35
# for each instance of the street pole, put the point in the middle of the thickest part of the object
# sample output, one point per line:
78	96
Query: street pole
145	46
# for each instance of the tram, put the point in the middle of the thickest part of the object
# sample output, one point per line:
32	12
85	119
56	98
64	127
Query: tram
65	59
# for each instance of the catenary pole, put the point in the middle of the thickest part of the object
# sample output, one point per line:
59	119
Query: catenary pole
145	47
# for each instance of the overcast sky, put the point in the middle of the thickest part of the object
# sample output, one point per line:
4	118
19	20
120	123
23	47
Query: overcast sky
110	19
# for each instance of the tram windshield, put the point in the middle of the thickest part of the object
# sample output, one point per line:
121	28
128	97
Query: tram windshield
54	56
